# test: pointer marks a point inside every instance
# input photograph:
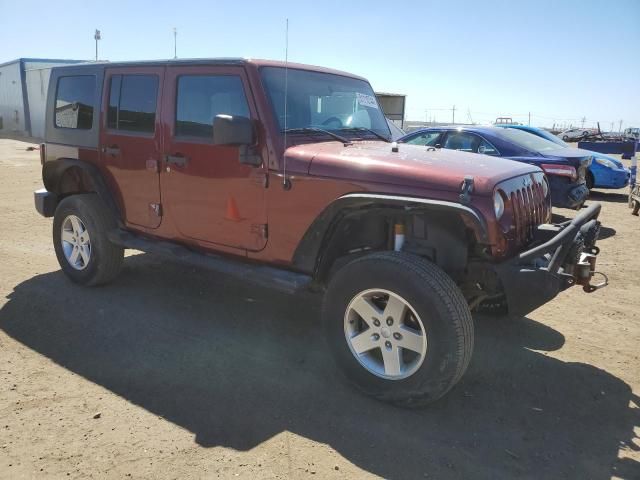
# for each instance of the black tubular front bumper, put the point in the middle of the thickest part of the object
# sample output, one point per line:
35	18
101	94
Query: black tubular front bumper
564	255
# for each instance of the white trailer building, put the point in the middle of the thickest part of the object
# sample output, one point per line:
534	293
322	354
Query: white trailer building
23	94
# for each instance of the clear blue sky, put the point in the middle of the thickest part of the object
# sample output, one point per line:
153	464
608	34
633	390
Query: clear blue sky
558	60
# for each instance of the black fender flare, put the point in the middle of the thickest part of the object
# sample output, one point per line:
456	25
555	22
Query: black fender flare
308	254
54	170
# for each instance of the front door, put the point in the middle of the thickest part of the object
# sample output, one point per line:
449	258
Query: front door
207	193
130	141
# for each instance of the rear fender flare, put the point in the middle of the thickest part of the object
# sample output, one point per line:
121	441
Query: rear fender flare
309	253
53	172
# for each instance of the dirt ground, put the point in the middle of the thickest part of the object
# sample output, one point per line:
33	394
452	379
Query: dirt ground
171	372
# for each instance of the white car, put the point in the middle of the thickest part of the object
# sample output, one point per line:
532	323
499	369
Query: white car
574	134
632	133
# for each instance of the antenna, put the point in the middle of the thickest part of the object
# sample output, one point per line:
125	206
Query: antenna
286	184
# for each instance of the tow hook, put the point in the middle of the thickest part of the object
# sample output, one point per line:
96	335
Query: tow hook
584	271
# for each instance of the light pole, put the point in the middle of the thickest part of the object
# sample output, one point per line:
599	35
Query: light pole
97	37
175	42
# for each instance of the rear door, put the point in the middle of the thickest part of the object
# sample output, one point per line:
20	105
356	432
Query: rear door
131	139
207	193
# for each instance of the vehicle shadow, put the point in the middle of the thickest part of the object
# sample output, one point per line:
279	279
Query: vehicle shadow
600	196
237	365
605	232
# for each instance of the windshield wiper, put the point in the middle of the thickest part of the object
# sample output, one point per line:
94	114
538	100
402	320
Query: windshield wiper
319	130
379	135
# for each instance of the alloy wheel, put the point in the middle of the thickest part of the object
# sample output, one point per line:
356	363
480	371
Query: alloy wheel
76	243
385	334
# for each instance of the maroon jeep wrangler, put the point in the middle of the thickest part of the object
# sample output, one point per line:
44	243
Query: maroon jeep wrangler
284	176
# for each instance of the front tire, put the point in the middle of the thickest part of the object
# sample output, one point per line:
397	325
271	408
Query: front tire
590	181
85	254
399	327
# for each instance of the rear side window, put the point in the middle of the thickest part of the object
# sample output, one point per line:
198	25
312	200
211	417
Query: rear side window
202	97
429	139
75	99
468	142
132	103
463	141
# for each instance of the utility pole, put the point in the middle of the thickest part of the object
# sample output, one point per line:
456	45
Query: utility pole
584	119
96	37
175	42
453	115
529	119
620	126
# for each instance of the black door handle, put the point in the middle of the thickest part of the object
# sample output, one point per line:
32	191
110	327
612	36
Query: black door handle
112	150
179	160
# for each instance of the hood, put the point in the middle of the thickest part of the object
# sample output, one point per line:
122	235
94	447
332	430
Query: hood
615	161
411	166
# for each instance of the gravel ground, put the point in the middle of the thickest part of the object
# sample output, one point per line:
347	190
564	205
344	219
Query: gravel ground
171	372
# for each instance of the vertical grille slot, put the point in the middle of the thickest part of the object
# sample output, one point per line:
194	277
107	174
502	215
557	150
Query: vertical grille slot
529	210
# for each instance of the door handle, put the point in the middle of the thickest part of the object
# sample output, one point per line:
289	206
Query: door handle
112	150
179	160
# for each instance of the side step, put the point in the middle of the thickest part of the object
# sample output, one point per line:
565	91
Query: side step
262	275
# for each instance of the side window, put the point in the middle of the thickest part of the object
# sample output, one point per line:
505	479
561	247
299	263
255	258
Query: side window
487	149
463	141
132	103
469	142
201	97
75	98
429	139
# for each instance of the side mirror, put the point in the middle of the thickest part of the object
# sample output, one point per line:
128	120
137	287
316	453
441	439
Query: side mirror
228	130
238	131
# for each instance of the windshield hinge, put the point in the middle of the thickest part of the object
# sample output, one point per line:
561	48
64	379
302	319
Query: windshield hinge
467	189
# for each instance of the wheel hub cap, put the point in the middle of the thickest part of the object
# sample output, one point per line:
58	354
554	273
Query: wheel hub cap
392	349
76	244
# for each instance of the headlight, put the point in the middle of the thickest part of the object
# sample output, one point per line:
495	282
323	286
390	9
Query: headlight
498	204
545	188
605	163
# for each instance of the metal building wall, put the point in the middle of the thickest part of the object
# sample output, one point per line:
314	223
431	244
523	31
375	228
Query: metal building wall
37	84
23	94
12	112
393	105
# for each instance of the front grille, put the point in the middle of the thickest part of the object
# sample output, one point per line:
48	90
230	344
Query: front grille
529	206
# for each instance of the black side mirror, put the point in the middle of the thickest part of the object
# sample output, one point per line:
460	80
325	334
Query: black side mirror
238	131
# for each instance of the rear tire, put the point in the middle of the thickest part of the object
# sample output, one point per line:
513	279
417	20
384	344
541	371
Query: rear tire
85	254
431	336
590	180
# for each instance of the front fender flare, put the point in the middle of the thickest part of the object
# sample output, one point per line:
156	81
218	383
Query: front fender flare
308	254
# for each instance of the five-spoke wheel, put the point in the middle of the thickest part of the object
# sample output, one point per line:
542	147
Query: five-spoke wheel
76	243
385	334
80	227
399	327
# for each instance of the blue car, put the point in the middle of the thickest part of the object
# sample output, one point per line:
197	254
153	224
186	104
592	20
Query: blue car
566	168
604	172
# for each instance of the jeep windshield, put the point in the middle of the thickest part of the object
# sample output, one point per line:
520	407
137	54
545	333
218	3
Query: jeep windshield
319	103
